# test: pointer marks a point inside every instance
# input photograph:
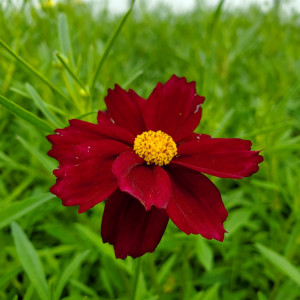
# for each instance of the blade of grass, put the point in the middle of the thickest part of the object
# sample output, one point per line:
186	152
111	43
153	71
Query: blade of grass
30	261
32	69
64	38
18	209
280	262
69	270
25	114
216	15
71	72
42	105
166	269
46	161
109	45
83	287
25	95
104	249
10	275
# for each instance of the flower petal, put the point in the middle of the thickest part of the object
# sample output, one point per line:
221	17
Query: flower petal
79	132
194	137
87	179
149	184
103	118
226	158
125	108
129	227
196	205
173	108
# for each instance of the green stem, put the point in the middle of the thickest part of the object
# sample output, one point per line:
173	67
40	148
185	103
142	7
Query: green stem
109	45
136	278
71	72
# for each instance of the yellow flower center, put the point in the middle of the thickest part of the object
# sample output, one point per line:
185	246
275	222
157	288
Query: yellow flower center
155	147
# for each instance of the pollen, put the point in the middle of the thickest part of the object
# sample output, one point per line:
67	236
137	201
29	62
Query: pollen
155	147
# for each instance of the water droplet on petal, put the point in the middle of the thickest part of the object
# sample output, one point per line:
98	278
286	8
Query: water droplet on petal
197	108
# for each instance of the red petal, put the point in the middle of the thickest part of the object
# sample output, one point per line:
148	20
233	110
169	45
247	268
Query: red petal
226	158
196	205
125	108
194	137
150	184
79	132
173	108
129	227
103	118
87	179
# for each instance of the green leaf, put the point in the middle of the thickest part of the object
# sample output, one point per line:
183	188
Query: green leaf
46	161
32	69
70	71
237	219
109	45
25	114
18	209
212	293
261	296
204	253
64	38
104	249
39	102
30	261
9	275
166	268
69	270
83	287
280	262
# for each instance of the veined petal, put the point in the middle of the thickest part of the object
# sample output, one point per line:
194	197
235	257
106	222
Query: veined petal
103	118
174	108
125	109
129	227
87	179
64	140
149	184
226	158
196	205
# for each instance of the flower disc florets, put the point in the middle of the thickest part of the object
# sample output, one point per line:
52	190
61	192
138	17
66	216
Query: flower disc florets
155	147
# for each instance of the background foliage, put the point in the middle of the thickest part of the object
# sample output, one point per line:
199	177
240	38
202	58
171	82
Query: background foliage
245	63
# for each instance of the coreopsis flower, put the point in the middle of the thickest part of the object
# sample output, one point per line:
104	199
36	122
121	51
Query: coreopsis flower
143	157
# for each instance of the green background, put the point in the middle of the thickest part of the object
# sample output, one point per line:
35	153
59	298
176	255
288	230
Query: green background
246	64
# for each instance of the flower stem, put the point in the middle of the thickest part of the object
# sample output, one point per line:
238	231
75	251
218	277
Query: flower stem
136	278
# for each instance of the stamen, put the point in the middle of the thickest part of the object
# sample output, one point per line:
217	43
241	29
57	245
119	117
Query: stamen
155	147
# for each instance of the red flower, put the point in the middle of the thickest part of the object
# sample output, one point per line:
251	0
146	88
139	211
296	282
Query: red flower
144	158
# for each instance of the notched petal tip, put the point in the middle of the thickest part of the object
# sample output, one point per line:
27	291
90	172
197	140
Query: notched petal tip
176	107
196	205
221	157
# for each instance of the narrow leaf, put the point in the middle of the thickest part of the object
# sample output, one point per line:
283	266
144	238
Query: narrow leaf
25	114
69	270
30	261
39	102
166	269
204	253
70	71
110	44
64	38
18	209
280	262
105	249
32	69
46	161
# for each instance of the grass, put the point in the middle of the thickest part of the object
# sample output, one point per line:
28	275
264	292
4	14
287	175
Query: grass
247	66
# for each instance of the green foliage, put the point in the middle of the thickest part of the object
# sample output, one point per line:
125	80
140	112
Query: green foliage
57	63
